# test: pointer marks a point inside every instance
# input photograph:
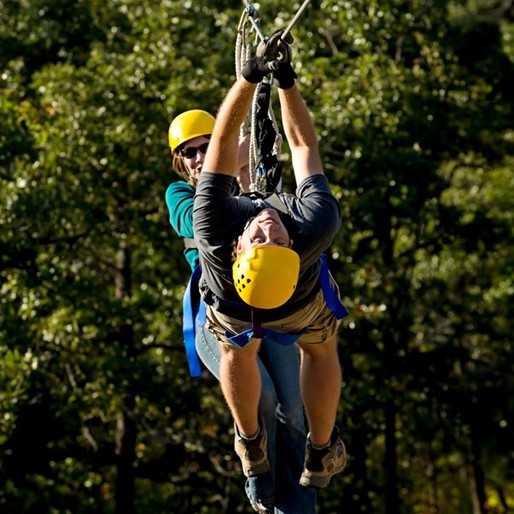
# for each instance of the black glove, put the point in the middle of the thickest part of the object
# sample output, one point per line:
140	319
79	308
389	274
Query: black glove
255	69
285	76
271	53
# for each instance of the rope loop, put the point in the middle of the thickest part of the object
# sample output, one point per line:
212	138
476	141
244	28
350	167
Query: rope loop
265	139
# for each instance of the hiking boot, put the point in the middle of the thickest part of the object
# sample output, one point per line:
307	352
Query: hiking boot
322	465
252	452
263	506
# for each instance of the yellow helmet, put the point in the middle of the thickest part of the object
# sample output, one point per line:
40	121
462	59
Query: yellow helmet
188	125
266	276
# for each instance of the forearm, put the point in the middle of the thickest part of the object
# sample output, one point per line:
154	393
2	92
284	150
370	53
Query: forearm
300	133
298	125
223	152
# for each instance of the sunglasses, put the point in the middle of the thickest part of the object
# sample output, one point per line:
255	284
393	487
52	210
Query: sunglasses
191	151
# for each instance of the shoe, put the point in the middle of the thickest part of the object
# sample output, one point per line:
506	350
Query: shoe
322	465
252	452
263	507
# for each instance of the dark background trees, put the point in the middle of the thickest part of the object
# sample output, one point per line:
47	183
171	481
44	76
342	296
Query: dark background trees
414	106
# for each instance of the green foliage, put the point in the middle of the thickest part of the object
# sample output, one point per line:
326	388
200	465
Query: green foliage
413	102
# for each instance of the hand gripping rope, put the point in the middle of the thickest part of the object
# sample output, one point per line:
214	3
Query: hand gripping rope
265	139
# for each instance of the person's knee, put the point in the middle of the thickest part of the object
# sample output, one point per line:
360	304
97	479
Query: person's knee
234	354
328	349
268	402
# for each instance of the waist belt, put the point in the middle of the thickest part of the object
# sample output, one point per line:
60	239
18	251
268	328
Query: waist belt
194	314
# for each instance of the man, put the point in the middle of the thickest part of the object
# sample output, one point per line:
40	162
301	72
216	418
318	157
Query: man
280	404
277	271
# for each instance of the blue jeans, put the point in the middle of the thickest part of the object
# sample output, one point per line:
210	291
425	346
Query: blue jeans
282	409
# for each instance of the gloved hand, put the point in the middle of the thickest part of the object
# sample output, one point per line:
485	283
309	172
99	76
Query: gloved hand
256	68
270	54
276	49
285	76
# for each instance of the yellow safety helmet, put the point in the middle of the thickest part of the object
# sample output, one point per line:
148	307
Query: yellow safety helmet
188	125
266	276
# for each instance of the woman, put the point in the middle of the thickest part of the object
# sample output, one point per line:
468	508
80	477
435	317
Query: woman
280	407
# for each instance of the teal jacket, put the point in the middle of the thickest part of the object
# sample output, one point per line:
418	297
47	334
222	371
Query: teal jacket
179	199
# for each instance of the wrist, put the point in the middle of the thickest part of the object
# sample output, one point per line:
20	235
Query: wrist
285	76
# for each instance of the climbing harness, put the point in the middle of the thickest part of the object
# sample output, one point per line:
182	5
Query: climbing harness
194	314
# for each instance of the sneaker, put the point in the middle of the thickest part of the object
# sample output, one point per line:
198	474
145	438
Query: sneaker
252	452
262	506
322	465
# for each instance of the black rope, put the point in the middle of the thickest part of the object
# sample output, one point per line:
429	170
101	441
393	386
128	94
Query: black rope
268	168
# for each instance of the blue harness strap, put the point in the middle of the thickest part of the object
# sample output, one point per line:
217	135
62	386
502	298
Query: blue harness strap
331	297
193	313
243	338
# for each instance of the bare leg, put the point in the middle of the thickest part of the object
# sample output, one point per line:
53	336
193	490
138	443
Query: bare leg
241	385
321	381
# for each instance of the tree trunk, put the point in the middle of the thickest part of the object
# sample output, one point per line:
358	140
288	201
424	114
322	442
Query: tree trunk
126	429
476	475
432	478
125	478
391	459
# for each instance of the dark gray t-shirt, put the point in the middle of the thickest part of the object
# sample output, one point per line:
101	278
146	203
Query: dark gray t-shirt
219	218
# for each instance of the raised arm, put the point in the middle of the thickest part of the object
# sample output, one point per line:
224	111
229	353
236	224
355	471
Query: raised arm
300	134
222	155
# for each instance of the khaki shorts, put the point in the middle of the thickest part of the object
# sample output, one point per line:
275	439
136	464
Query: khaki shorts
318	321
